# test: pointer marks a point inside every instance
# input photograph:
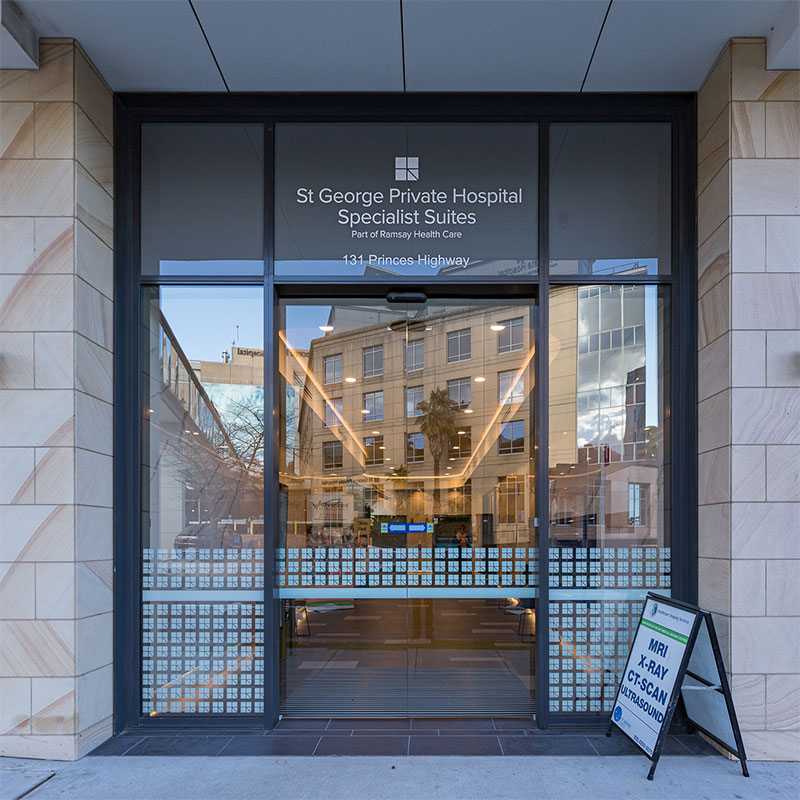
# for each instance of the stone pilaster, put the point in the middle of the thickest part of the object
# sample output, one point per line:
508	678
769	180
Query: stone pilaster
749	386
56	290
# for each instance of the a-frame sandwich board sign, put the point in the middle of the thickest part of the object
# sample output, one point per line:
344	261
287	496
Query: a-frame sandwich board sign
675	657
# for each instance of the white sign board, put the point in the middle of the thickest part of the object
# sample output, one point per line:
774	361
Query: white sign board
326	509
651	672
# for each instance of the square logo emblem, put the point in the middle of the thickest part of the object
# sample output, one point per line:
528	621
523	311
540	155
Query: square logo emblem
406	168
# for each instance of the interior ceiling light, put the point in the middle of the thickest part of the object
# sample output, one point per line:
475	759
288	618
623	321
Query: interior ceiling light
497	327
326	328
375	433
365	411
467	410
349	380
480	379
381	448
461	433
449	468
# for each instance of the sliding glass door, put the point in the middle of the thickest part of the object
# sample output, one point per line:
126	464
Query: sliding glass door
407	560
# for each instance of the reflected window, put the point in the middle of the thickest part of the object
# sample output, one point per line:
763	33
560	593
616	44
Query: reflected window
460	445
459	346
511	498
461	498
415	448
333	412
415	355
637	503
510	387
373	361
512	335
414	396
372	409
512	438
332	455
460	392
373	450
333	368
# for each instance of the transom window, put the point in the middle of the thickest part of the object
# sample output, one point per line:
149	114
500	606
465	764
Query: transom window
512	438
415	448
510	387
460	444
460	392
374	448
373	361
459	346
415	355
414	396
373	406
333	368
333	412
512	337
332	455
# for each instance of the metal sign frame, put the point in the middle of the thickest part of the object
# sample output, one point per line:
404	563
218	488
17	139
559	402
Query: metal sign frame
676	694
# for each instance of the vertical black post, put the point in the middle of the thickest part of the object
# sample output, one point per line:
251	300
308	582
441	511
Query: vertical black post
542	439
127	423
272	385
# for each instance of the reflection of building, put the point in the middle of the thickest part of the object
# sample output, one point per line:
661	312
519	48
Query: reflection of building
606	462
362	429
204	447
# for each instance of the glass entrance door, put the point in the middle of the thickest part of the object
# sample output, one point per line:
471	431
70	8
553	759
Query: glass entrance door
407	553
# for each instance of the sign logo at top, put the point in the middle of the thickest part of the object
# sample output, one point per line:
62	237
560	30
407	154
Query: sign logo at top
406	168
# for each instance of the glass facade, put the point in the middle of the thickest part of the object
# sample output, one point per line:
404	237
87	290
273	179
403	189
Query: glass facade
360	504
202	535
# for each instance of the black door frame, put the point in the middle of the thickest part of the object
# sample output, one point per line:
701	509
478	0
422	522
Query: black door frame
133	110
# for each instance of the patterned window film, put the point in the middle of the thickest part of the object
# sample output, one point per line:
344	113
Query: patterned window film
201	654
407	567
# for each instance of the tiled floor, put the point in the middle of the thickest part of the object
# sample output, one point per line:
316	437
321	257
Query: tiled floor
396	737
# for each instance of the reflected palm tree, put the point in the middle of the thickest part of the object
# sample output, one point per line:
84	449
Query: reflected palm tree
438	425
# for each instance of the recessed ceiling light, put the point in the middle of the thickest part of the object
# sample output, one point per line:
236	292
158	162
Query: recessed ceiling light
388	459
326	328
375	433
467	410
480	379
456	447
497	327
365	411
449	468
461	433
349	380
381	448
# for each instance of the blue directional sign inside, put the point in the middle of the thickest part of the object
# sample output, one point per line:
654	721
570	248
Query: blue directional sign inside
406	527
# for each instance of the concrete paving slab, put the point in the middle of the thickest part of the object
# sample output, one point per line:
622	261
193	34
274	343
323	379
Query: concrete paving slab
393	778
18	782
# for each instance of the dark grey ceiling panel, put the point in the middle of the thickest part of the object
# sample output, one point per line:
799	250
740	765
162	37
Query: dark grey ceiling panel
668	45
495	45
138	45
305	45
